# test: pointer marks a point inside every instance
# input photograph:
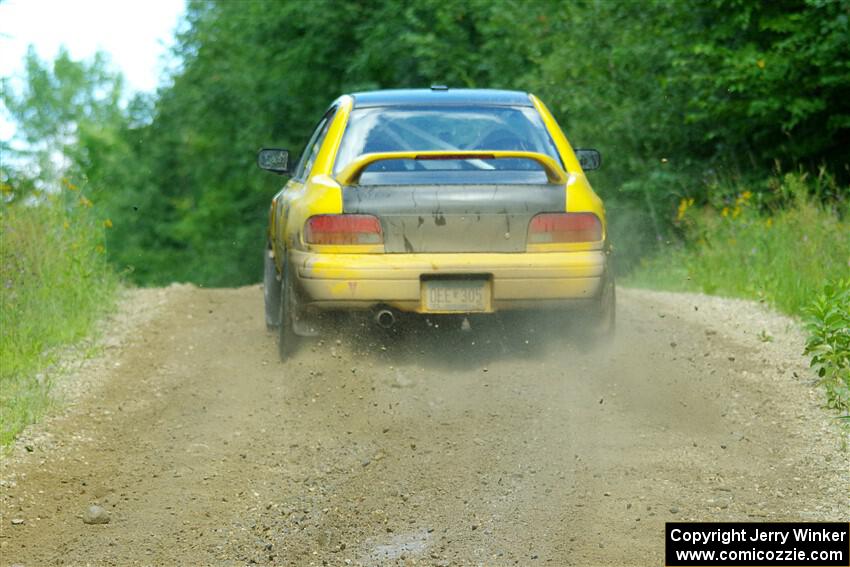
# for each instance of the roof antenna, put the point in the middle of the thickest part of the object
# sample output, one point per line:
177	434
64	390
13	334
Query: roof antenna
439	88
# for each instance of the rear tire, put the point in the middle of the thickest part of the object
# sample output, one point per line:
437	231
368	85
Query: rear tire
605	312
271	291
287	340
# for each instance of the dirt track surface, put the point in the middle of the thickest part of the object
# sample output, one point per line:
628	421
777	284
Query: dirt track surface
503	445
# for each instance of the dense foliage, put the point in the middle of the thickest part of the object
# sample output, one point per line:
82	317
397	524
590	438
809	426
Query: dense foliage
681	98
829	342
781	254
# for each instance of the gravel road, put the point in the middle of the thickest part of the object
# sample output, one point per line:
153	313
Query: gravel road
509	444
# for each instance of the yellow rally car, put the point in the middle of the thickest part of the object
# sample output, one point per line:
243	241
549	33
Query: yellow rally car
435	201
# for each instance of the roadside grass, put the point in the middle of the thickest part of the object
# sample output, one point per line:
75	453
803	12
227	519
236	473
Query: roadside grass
791	252
54	286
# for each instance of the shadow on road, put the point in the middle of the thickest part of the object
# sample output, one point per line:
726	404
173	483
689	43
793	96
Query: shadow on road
457	343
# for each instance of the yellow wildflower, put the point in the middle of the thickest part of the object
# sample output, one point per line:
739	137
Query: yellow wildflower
66	225
743	198
5	188
684	205
725	212
736	213
760	63
769	222
85	202
107	223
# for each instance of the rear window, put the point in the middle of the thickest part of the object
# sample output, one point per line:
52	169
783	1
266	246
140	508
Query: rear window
441	128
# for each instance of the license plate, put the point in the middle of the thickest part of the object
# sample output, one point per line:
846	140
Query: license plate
452	295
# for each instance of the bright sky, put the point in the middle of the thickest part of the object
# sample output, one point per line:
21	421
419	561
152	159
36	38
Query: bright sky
135	33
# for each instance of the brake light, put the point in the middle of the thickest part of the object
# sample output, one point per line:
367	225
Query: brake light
564	227
343	229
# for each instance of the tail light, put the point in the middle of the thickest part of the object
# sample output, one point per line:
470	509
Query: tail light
564	227
343	229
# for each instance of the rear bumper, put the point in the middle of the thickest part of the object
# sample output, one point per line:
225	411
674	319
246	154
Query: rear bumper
519	281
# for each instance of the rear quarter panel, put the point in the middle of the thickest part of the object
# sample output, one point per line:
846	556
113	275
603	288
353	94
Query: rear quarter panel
318	194
580	195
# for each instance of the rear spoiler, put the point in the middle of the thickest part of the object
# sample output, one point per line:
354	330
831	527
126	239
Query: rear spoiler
351	174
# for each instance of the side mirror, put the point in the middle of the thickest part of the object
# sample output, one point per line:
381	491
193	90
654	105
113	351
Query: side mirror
589	159
273	159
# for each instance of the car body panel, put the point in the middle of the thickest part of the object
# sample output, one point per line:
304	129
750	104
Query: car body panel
454	218
363	281
327	155
446	97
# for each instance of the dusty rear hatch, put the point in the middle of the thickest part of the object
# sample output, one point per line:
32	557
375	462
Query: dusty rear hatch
457	212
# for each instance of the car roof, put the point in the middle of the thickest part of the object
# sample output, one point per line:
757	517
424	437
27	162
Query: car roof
440	96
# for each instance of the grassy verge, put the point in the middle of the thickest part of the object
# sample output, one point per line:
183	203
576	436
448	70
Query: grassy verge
790	251
54	285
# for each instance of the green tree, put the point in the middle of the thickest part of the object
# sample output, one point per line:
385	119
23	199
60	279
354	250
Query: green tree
59	104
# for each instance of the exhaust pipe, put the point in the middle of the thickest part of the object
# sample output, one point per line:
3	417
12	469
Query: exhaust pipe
385	318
